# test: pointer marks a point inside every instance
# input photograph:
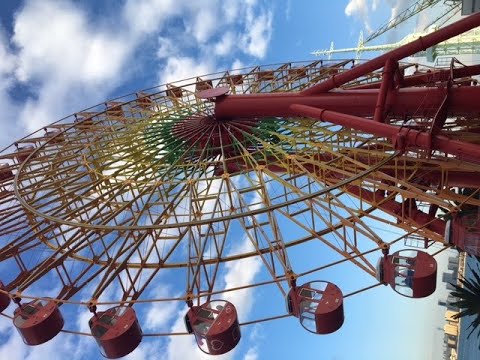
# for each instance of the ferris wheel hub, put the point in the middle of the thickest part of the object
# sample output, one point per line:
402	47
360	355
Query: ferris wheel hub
213	93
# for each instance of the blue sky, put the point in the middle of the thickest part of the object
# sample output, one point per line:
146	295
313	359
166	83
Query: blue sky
58	57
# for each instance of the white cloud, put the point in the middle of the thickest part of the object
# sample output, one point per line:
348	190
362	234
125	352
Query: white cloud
178	68
147	16
61	347
231	9
78	52
258	31
398	6
204	24
7	65
237	64
252	354
226	44
79	56
239	273
160	314
7	80
13	348
166	48
359	9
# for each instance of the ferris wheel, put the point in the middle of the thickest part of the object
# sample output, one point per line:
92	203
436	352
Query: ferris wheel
181	181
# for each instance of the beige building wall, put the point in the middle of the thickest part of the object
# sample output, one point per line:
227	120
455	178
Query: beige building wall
449	316
451	330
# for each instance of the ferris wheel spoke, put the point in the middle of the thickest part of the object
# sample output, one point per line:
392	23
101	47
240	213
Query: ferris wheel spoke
201	276
271	250
202	267
116	267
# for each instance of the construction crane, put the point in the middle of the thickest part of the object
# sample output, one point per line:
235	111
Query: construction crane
466	43
451	8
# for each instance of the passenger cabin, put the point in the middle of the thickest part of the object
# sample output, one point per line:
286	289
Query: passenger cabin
201	85
463	231
54	136
114	109
116	331
84	120
144	100
6	172
411	273
23	152
215	326
174	91
234	80
38	321
318	305
266	75
4	298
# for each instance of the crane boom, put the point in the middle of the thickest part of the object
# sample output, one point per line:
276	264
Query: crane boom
403	16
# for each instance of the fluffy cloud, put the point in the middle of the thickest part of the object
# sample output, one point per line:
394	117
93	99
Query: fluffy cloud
359	9
147	16
178	68
212	34
251	354
258	31
64	53
160	314
66	60
9	107
226	44
77	52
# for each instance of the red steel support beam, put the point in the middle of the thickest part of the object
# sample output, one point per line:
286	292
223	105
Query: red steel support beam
428	78
399	210
463	101
402	212
398	54
401	137
385	87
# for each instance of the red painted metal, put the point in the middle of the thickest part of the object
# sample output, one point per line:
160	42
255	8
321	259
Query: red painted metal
6	172
213	92
4	298
144	100
387	84
84	124
399	102
430	77
410	273
318	305
400	53
38	321
351	108
116	331
23	152
463	231
399	210
215	326
114	109
401	137
54	136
